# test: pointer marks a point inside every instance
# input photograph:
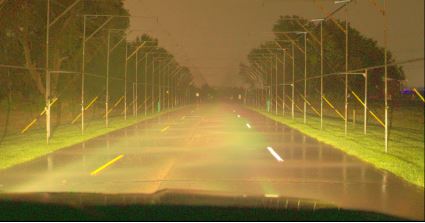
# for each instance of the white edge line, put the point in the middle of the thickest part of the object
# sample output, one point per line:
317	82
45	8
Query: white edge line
274	154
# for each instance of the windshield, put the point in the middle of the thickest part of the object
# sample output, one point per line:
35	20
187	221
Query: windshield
300	102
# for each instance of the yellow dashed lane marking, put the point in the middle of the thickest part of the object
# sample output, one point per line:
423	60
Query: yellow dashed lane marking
93	173
165	129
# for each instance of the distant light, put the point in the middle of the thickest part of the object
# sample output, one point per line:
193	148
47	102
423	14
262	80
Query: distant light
248	125
274	154
238	116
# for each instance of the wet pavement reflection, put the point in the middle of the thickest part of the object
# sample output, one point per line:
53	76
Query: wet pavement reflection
210	148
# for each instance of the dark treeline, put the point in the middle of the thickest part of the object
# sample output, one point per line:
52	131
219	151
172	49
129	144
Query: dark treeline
363	52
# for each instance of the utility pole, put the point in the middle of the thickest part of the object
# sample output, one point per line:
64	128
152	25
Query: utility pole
283	81
276	85
321	74
83	66
346	72
293	82
386	74
365	104
146	83
305	77
153	84
47	94
135	99
125	81
107	82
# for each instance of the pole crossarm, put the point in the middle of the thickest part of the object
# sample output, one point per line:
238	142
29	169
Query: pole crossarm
309	32
115	105
419	94
39	116
378	7
333	107
85	109
293	42
309	104
281	61
329	15
371	112
280	46
117	44
64	12
99	28
298	107
135	51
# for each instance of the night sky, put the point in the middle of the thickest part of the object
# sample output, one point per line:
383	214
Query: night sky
213	37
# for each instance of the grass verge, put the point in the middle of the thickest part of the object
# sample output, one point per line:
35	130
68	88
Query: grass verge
18	149
405	157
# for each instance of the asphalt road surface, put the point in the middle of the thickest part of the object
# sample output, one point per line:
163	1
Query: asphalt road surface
217	148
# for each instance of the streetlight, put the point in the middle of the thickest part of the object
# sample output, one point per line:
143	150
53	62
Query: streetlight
47	89
263	57
153	78
283	77
305	68
321	68
345	2
127	58
293	74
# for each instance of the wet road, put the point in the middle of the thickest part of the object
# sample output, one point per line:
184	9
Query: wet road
218	148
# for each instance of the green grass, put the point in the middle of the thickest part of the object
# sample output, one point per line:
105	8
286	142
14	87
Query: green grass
17	149
405	157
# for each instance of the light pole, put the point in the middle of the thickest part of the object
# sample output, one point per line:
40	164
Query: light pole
83	65
345	2
127	58
321	69
283	81
283	76
292	55
305	69
160	82
156	59
85	39
47	74
263	57
48	78
109	50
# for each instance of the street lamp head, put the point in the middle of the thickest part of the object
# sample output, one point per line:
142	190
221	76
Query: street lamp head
341	1
317	20
295	32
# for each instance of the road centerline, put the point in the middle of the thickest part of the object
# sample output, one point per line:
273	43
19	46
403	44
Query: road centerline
93	173
165	129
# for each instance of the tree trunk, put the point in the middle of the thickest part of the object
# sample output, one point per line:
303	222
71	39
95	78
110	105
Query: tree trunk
35	74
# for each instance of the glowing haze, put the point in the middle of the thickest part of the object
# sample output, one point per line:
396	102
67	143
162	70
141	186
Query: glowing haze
213	37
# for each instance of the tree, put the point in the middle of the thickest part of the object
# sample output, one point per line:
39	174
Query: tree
363	52
27	34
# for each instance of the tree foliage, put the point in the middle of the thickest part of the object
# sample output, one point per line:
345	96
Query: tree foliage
23	43
363	52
